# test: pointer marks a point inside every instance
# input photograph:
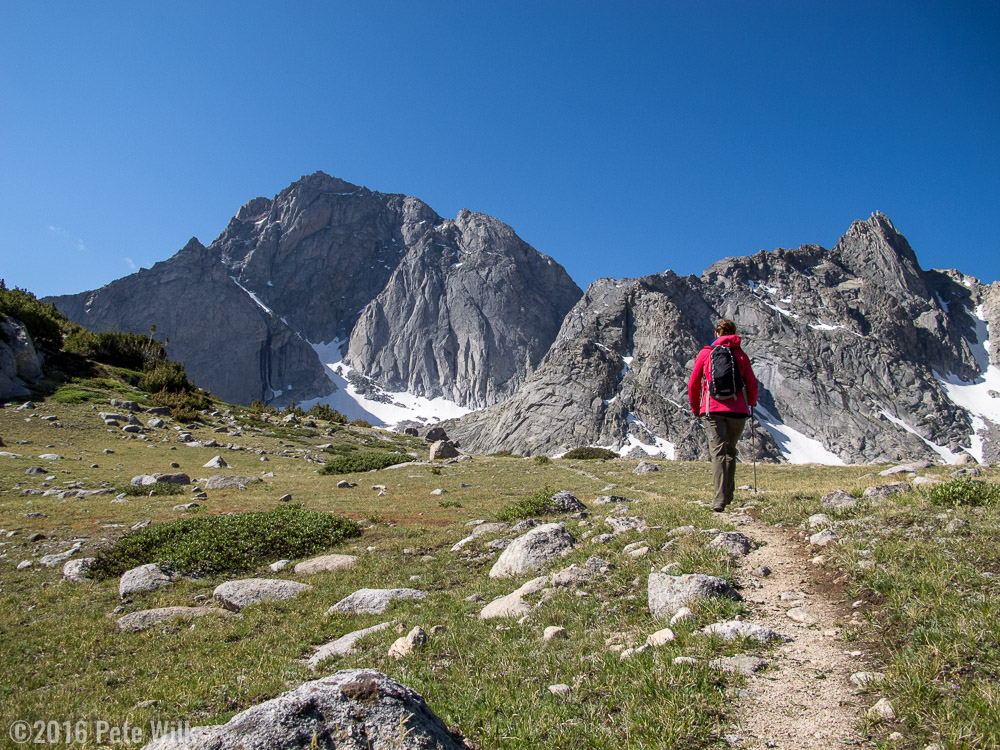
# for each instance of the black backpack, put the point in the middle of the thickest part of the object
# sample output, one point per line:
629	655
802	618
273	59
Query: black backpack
725	380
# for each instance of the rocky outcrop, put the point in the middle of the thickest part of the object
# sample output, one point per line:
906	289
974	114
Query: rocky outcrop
851	347
229	343
354	709
20	361
468	314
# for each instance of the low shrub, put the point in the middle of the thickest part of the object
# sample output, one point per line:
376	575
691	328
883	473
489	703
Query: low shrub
226	544
590	454
541	460
341	449
361	423
185	406
538	504
327	414
161	488
363	461
501	454
449	504
71	395
965	492
130	350
165	376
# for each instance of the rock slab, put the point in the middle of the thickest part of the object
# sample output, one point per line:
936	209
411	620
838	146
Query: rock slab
667	594
237	595
532	550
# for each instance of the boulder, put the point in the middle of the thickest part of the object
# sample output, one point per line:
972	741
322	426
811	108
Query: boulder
667	594
645	467
75	571
216	463
733	543
567	503
149	577
326	563
532	550
59	558
408	643
177	478
621	524
884	490
905	468
513	605
442	449
147	618
237	595
222	482
354	709
823	538
143	480
838	499
344	645
435	434
373	601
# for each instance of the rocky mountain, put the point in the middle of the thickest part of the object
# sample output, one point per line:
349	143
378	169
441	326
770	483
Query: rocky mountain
862	356
462	309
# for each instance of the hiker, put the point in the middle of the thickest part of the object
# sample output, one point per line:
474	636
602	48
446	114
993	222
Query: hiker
722	389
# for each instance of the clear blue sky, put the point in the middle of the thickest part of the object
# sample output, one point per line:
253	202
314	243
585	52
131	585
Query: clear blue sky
620	138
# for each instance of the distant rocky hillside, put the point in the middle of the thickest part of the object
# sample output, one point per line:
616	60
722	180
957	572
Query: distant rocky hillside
462	309
862	356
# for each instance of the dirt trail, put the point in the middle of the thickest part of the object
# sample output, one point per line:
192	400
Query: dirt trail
804	699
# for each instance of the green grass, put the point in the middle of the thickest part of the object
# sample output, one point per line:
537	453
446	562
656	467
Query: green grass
965	492
537	504
226	544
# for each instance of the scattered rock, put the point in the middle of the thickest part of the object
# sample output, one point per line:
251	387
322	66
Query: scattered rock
620	525
823	538
762	572
75	571
734	629
560	689
955	524
740	664
344	645
926	482
645	467
343	484
660	638
223	482
362	706
404	646
553	632
24	564
567	502
838	500
882	711
532	550
801	615
147	618
733	543
186	506
326	563
667	593
681	615
513	605
970	472
373	601
237	595
216	463
285	499
885	490
279	565
434	434
905	468
442	449
819	519
864	679
177	478
148	577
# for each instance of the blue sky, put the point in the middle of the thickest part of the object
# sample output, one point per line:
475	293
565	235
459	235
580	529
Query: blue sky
620	138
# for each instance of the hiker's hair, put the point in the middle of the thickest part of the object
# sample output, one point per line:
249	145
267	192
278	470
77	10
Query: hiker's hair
725	328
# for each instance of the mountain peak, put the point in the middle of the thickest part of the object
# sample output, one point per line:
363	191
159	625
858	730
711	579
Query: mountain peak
874	250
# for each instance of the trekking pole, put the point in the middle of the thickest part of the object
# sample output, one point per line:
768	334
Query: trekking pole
753	438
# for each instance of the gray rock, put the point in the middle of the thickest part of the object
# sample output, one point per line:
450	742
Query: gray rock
373	601
905	468
620	525
49	561
24	564
532	550
956	524
819	519
177	478
885	490
354	709
20	362
610	500
222	482
567	502
51	457
147	618
442	449
970	472
143	480
186	506
513	604
435	434
521	526
279	565
667	593
733	543
823	538
408	643
217	462
734	629
326	563
344	645
838	500
740	664
148	577
864	679
237	595
645	467
75	571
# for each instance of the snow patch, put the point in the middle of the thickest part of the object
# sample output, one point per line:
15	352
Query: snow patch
949	456
402	406
254	297
794	446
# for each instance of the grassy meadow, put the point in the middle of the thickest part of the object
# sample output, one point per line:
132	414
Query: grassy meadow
930	613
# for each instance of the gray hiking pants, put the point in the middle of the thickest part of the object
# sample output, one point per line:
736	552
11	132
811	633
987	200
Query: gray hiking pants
723	435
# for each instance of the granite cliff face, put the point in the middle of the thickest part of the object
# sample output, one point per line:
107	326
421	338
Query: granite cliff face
862	356
463	309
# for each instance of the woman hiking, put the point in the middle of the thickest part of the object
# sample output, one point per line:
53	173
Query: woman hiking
722	389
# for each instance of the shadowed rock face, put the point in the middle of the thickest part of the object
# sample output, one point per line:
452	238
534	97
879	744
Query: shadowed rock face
835	337
461	308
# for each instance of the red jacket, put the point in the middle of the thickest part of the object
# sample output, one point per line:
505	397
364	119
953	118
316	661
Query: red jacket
698	384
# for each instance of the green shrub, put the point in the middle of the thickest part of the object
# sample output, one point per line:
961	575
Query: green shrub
226	544
327	414
590	453
130	350
965	492
538	504
449	504
71	395
165	376
361	423
363	461
341	449
161	488
184	406
44	322
541	460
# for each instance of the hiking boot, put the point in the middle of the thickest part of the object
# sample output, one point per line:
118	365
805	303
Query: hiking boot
717	508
